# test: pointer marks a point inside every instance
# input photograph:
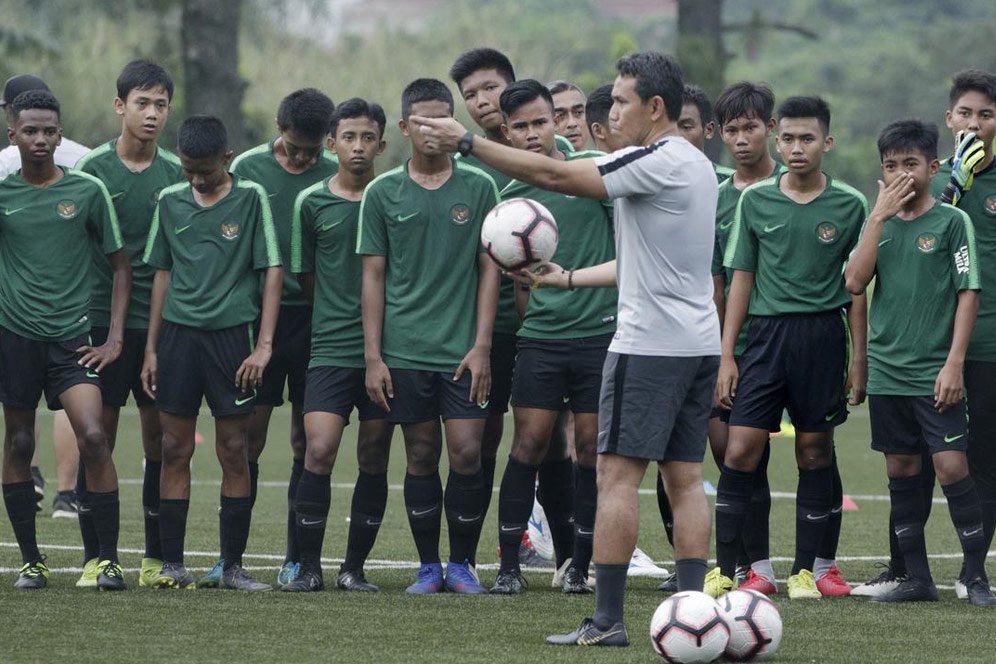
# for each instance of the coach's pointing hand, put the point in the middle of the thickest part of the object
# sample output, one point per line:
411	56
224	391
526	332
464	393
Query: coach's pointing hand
445	132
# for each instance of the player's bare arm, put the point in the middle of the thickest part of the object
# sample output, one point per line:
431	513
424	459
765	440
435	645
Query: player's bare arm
857	373
378	380
478	359
160	284
98	357
578	177
891	200
250	372
736	314
949	388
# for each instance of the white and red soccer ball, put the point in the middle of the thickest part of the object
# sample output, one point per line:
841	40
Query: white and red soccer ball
755	625
689	628
519	233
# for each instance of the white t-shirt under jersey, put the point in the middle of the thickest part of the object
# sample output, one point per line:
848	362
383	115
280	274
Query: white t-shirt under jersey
66	154
665	223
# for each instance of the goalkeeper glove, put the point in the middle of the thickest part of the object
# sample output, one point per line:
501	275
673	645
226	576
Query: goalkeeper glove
969	153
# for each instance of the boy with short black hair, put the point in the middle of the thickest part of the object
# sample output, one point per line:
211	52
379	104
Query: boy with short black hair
920	250
285	166
210	237
134	168
697	123
323	255
50	219
596	114
426	356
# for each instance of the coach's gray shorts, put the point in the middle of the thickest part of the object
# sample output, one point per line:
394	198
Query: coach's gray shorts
656	408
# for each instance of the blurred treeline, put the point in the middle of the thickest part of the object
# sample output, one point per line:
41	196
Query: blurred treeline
874	62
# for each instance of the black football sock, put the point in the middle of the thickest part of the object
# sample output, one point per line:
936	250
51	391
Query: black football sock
585	501
966	514
827	550
88	533
515	504
173	528
150	508
897	562
20	500
610	594
732	502
664	507
424	504
106	514
463	513
314	496
366	513
253	481
755	538
293	555
236	514
556	495
691	573
487	490
814	500
906	519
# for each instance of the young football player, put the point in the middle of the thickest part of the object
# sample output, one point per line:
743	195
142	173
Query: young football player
285	166
50	218
697	123
568	113
323	255
210	238
796	351
562	346
920	250
427	356
134	168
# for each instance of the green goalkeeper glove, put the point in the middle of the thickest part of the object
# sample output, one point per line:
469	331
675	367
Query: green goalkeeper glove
969	153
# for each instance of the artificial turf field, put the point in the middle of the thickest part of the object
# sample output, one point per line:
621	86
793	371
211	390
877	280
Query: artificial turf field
64	623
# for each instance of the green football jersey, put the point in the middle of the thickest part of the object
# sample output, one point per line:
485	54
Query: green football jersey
323	242
134	196
922	265
261	166
980	205
46	235
213	254
431	239
723	173
796	252
584	229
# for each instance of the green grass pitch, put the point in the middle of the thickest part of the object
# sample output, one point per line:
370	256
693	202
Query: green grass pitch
63	623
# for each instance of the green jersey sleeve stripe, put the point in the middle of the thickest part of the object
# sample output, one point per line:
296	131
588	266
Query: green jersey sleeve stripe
269	232
296	230
154	228
115	227
93	154
265	147
363	201
974	282
732	241
168	156
848	189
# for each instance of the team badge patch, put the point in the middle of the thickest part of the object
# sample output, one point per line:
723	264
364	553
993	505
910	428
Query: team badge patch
66	209
460	214
826	233
230	231
926	242
990	205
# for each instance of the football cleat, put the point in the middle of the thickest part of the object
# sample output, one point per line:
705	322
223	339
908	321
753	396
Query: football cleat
508	583
759	583
588	634
961	590
833	584
640	564
354	581
883	583
33	576
575	582
740	575
558	575
428	581
148	572
237	578
670	585
717	585
213	578
64	506
459	579
111	577
979	593
909	590
174	576
308	580
803	586
529	557
288	572
88	579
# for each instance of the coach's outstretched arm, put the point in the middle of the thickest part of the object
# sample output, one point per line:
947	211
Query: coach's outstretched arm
578	177
551	275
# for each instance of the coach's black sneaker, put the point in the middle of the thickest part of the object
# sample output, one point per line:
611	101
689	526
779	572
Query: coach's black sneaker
174	576
979	593
670	585
909	590
575	583
32	576
354	580
237	578
309	580
111	577
508	583
587	634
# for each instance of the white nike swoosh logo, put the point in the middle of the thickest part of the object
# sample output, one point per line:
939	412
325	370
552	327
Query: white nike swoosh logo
463	520
505	529
423	512
152	514
305	522
810	517
585	533
969	533
901	531
373	523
